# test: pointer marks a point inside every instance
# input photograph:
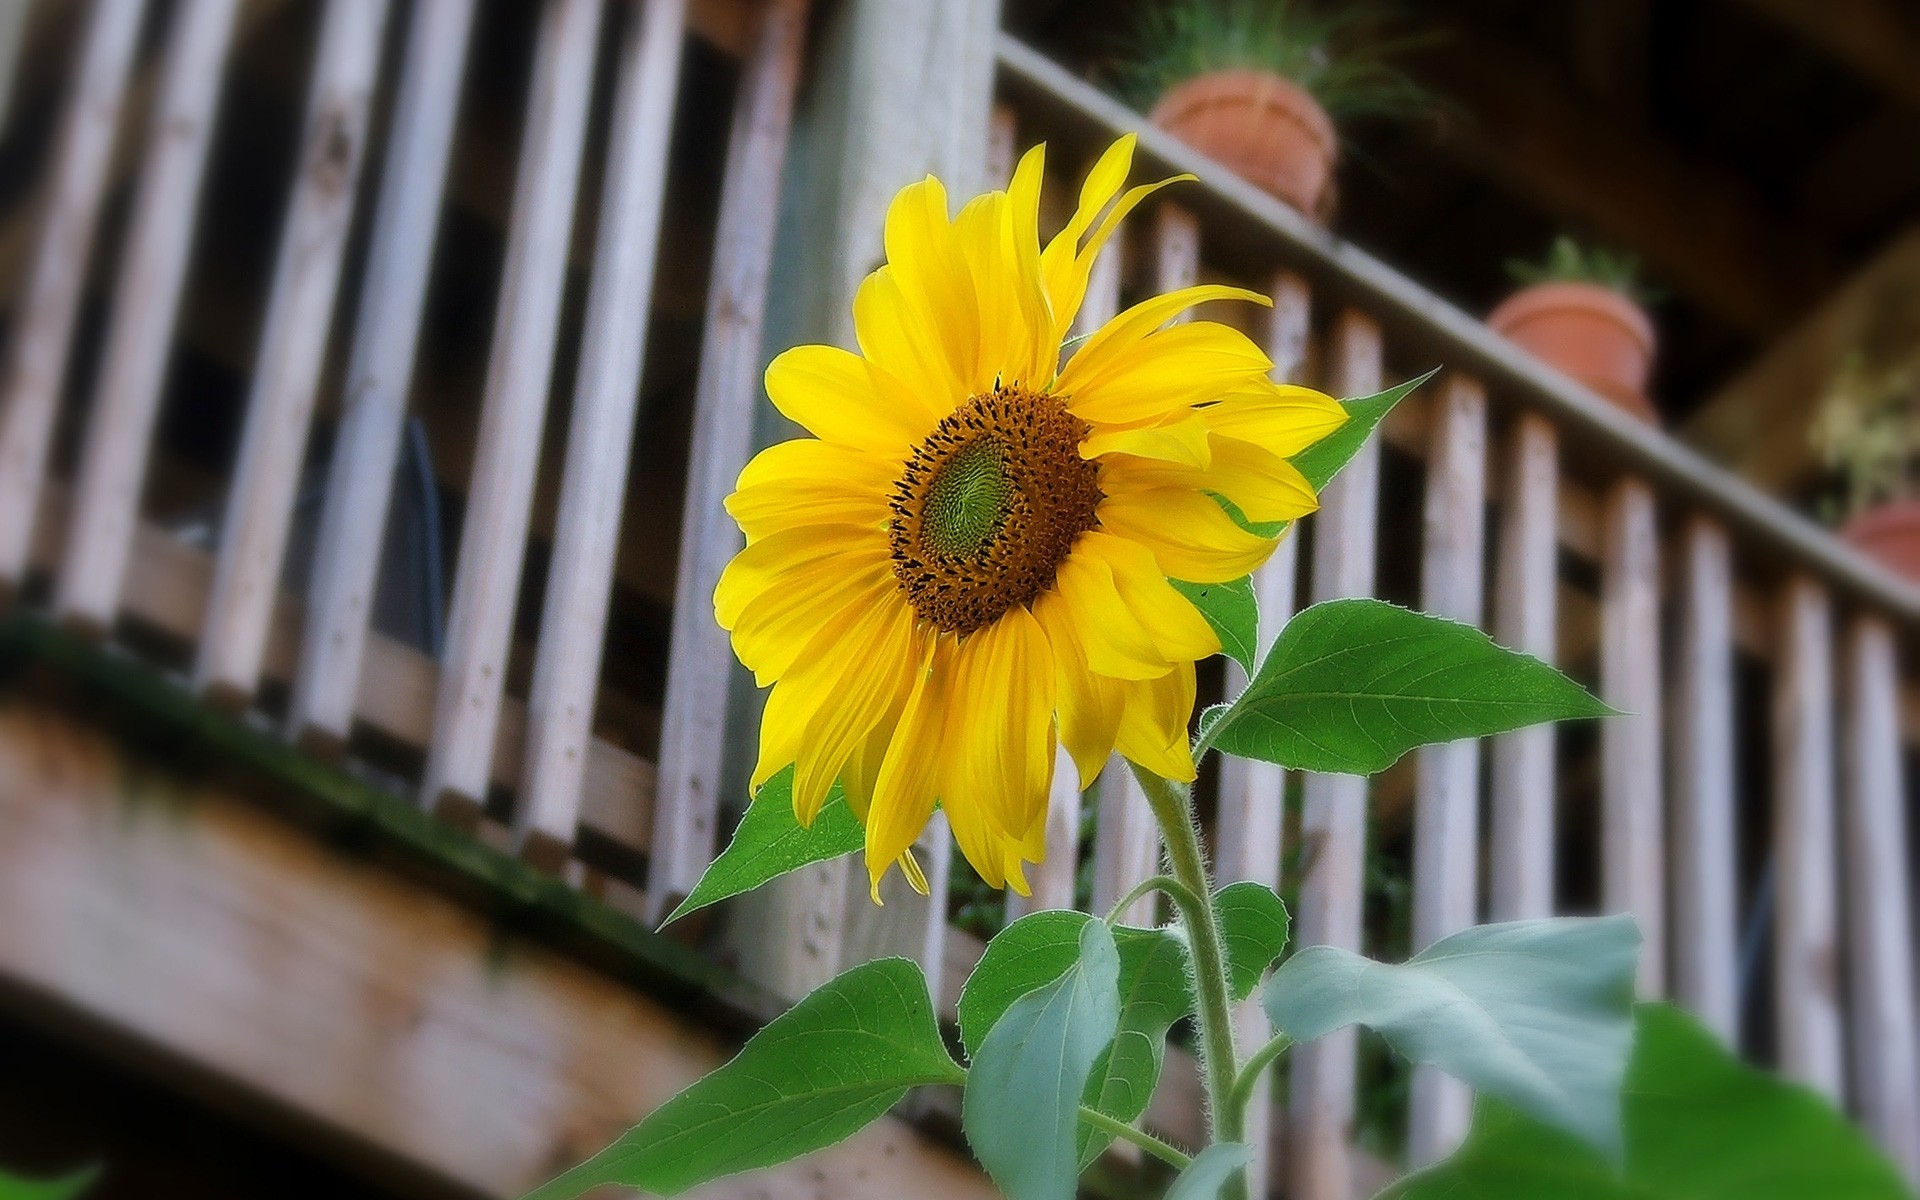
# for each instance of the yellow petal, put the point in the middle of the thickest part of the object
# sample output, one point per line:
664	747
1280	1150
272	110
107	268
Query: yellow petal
1166	373
859	676
1187	440
933	277
1067	281
1088	704
797	557
1282	418
895	339
1116	644
775	628
832	394
1190	535
1153	730
1178	630
811	482
905	788
1262	485
1124	332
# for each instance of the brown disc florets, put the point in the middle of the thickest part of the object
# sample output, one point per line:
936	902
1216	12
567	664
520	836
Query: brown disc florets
989	506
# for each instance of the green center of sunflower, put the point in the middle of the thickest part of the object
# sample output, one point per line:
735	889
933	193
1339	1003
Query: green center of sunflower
989	506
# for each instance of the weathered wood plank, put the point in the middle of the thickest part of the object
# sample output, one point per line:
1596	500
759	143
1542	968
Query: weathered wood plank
1806	908
1126	845
373	405
1446	828
41	337
1003	144
306	278
593	486
126	397
1633	858
312	981
1886	1051
1525	589
726	397
493	534
1705	892
1334	822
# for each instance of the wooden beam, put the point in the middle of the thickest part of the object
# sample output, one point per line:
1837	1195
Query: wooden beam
380	1014
1758	425
1879	40
1696	227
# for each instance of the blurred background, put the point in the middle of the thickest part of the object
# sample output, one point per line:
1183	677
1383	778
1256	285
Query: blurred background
371	375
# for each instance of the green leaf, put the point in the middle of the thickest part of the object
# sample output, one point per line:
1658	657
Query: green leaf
1321	461
1699	1125
770	842
1022	1104
1253	928
1233	612
12	1187
1351	685
830	1065
1041	947
1209	1172
1537	1013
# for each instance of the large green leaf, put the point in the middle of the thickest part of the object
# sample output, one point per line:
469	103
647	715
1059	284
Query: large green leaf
1038	949
1022	1104
1234	614
12	1187
770	841
1351	685
1699	1125
1209	1172
1253	932
835	1062
1537	1013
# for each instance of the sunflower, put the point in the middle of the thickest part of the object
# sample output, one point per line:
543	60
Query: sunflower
968	563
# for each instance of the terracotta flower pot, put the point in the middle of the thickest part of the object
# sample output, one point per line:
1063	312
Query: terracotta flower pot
1589	333
1267	129
1889	534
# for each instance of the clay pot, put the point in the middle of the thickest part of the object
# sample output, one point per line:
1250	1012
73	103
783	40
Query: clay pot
1589	333
1267	129
1890	534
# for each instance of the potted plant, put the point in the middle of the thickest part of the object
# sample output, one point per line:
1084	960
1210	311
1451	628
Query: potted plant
1582	310
1257	85
1868	431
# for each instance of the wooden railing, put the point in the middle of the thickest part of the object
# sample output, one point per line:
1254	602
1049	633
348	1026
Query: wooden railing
1759	663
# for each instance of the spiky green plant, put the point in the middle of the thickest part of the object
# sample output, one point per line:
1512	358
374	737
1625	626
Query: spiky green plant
1568	261
1868	432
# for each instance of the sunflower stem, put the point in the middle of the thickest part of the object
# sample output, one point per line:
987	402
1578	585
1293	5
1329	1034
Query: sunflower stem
1219	1061
1159	883
1171	1155
1255	1066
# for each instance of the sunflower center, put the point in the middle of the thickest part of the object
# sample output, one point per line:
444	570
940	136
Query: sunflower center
989	506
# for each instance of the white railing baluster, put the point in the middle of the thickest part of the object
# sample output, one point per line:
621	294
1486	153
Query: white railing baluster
727	395
1886	1051
1705	895
41	339
593	489
493	534
1806	943
353	517
306	277
1633	861
1003	145
146	304
1446	829
1334	821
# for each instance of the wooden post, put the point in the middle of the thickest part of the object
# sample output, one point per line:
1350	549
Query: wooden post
1526	583
126	397
42	333
1253	795
493	536
373	406
1705	897
593	486
1633	861
1126	845
899	88
13	30
1446	831
726	396
1334	822
1003	145
1806	921
1886	1052
273	441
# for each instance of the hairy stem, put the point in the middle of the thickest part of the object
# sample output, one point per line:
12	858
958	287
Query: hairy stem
1159	883
1255	1066
1139	1137
1219	1062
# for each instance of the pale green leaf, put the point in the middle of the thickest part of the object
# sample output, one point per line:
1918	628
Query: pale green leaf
1209	1172
1234	614
832	1064
1022	1103
770	841
1537	1013
1351	685
12	1187
1154	993
1253	930
1699	1125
